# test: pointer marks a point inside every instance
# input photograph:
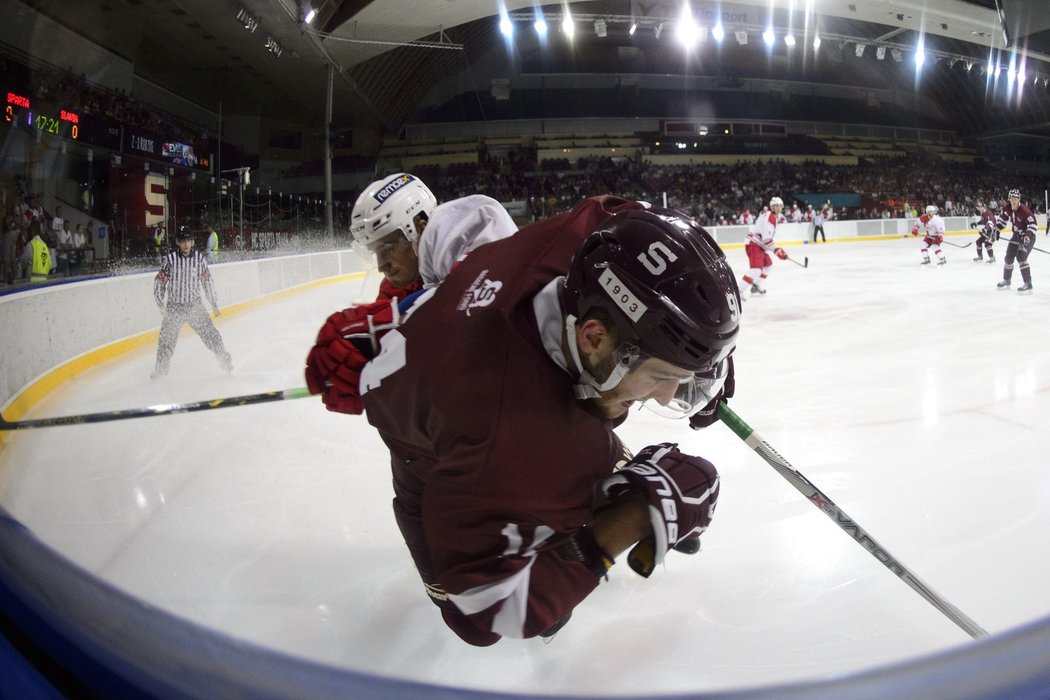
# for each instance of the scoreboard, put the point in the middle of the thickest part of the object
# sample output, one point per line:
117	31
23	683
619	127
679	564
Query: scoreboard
46	118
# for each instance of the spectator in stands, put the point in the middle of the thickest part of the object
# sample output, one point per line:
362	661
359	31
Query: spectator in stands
63	240
213	245
8	250
36	258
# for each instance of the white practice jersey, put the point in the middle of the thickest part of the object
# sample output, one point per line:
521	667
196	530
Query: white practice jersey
763	231
457	227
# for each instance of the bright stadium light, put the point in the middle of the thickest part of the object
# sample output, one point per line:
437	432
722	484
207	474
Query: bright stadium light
768	36
568	26
718	32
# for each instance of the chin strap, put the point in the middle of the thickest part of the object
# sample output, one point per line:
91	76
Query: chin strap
588	386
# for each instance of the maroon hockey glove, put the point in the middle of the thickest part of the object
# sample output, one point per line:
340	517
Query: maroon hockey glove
348	339
681	490
780	253
709	413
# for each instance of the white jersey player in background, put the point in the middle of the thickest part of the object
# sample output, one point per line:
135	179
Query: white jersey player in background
760	244
933	225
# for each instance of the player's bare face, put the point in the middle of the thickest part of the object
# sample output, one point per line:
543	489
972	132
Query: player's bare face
396	259
185	246
1015	202
652	379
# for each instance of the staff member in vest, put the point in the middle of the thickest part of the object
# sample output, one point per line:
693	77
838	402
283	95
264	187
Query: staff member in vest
36	256
181	276
213	245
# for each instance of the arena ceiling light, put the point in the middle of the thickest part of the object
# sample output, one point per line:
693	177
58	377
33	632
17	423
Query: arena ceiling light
816	42
859	49
247	20
897	56
789	39
880	52
718	32
768	36
600	28
741	37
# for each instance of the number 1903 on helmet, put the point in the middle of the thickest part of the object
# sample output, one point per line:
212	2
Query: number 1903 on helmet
666	285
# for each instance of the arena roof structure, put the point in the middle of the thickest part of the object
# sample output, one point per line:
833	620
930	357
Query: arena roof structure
987	63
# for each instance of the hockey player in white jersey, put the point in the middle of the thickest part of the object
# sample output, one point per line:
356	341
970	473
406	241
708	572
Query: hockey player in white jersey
760	243
933	225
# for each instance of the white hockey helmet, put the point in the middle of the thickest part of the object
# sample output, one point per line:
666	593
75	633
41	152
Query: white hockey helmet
931	209
1014	193
390	205
775	201
993	204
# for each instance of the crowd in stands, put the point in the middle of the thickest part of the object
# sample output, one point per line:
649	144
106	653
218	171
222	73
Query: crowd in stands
69	246
888	187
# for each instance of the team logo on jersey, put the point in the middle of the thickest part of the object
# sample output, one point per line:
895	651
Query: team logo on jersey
384	192
480	293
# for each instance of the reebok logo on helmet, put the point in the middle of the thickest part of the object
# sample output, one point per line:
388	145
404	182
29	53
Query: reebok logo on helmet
391	187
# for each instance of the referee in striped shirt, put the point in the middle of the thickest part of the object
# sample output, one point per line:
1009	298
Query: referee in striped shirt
182	274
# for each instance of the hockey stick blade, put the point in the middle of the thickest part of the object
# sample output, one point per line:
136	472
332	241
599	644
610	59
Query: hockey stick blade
805	264
848	525
959	246
157	410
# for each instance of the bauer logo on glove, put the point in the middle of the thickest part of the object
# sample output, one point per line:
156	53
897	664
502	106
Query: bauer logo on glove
681	491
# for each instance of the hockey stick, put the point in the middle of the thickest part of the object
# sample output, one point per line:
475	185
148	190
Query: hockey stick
157	410
1041	250
828	507
959	246
800	264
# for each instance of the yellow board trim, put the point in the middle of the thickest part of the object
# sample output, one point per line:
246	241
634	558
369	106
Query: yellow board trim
30	396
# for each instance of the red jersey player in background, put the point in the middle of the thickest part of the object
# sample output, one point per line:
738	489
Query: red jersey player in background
933	225
1021	242
760	244
987	232
499	395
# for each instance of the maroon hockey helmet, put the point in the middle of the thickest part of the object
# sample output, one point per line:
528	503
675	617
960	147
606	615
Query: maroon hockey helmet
664	281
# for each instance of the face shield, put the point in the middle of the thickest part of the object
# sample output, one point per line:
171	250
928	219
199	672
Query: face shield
693	393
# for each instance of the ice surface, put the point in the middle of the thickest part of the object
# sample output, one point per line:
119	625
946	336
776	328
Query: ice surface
915	397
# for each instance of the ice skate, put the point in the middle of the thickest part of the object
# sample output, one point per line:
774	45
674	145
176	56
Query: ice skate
978	259
1025	288
755	289
991	261
942	261
925	262
1005	284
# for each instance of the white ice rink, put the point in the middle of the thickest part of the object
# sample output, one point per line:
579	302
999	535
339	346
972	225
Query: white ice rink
916	398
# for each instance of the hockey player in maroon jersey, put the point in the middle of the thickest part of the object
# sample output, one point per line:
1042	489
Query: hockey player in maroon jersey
987	232
760	244
498	396
1021	242
932	226
389	219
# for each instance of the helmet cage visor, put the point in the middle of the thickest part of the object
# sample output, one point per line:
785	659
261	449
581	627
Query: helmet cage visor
693	392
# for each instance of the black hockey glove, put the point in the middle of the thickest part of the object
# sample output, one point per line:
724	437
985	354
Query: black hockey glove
709	413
